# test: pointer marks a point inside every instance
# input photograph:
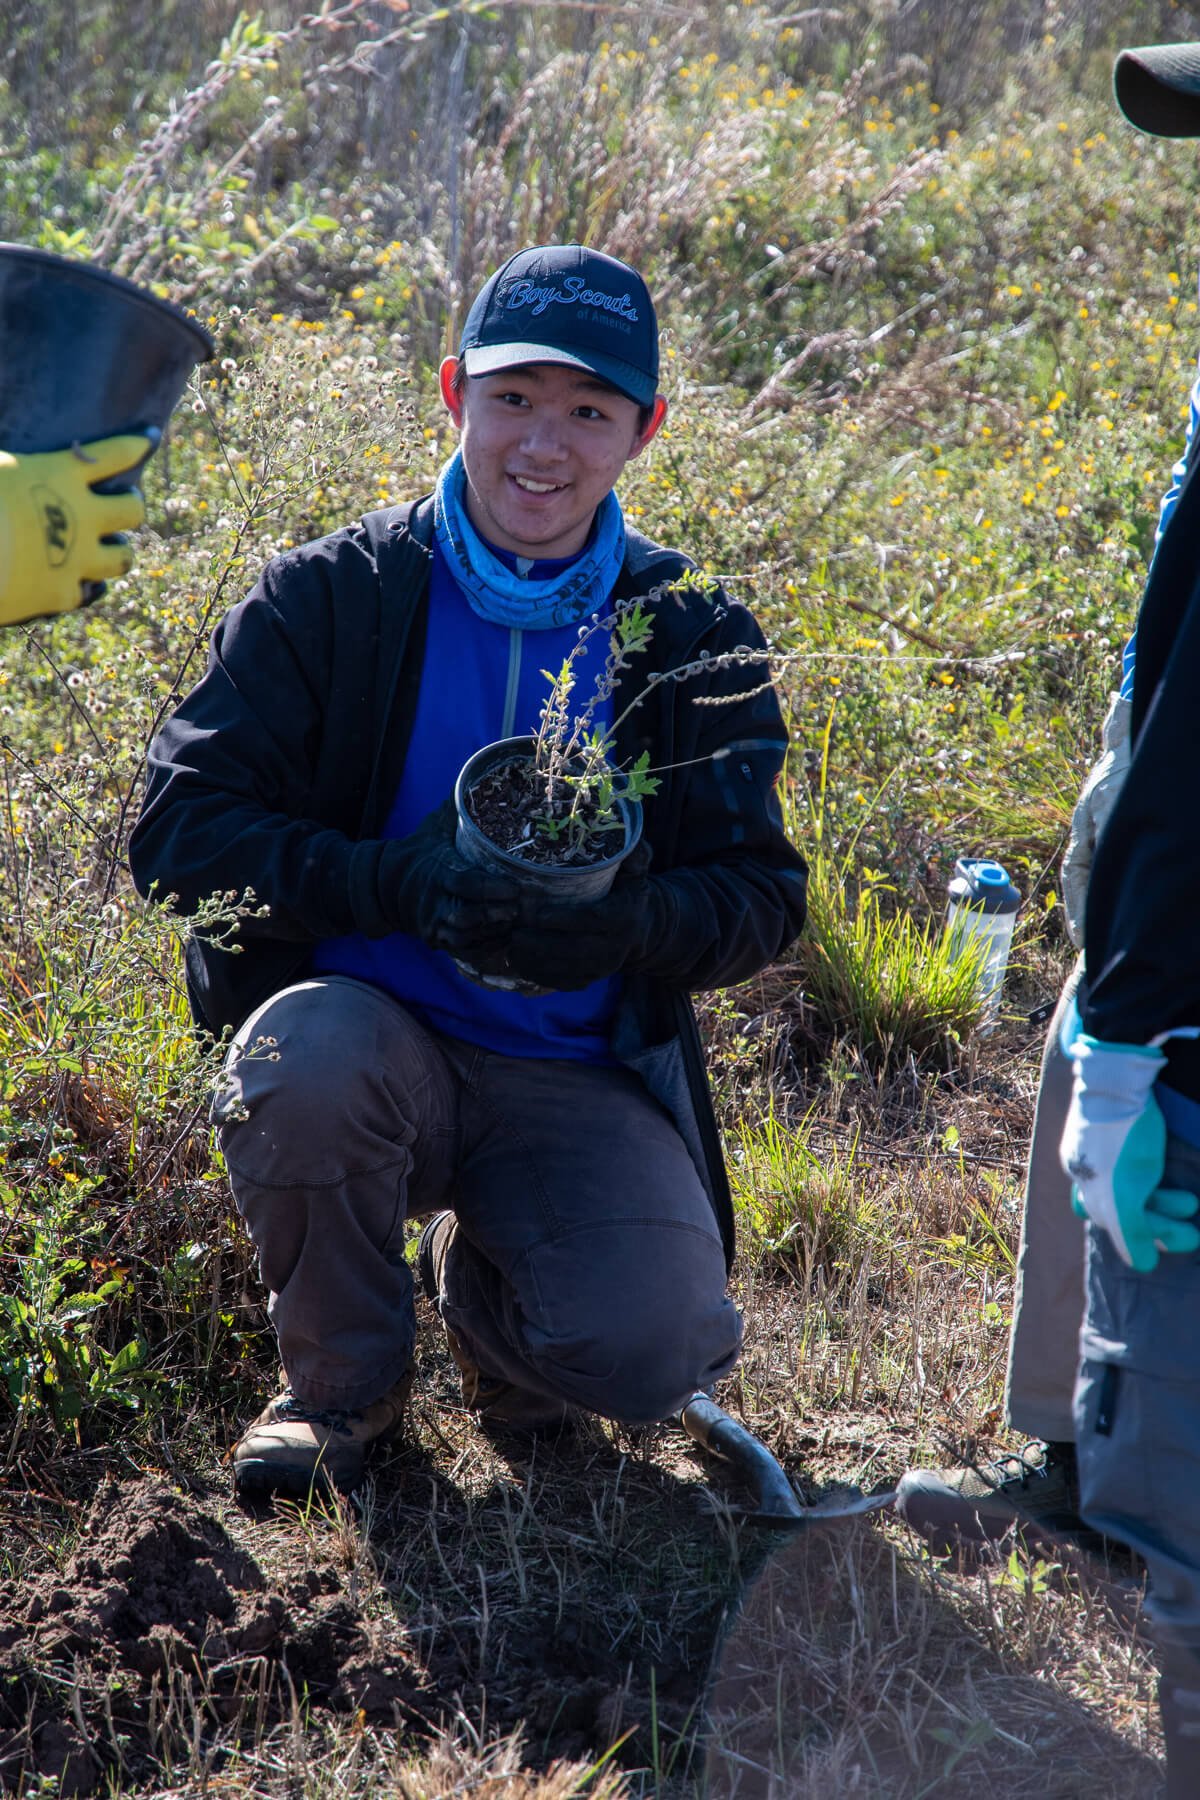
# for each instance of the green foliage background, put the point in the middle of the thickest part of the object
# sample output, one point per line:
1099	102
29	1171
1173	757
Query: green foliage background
930	326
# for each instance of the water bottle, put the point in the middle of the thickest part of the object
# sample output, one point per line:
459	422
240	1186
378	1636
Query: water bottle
983	909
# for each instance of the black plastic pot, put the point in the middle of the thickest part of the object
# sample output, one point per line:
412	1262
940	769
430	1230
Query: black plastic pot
568	881
85	354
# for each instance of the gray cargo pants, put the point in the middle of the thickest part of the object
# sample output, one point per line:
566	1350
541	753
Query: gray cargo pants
587	1267
1137	1413
1043	1352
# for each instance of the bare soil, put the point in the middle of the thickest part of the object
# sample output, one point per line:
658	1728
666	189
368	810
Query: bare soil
594	1598
585	1595
510	1593
508	804
158	1595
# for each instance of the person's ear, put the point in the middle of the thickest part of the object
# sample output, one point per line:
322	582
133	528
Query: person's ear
452	396
651	428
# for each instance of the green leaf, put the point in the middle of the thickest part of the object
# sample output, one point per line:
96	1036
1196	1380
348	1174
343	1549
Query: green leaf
129	1357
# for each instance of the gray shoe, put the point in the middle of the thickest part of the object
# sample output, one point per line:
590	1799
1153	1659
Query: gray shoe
296	1449
498	1402
1034	1496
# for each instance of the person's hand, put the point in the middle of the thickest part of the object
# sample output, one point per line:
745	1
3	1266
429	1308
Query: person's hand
435	894
1091	812
567	944
1113	1147
55	533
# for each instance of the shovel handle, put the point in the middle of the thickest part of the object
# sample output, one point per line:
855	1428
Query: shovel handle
710	1425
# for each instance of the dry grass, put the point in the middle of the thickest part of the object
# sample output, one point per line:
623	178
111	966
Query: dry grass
853	1669
581	1618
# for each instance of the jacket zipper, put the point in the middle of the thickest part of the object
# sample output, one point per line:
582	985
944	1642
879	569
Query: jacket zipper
515	641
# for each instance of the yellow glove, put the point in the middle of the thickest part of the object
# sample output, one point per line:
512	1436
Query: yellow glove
53	527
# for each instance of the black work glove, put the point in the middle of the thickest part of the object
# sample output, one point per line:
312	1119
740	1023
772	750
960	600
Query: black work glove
434	893
566	944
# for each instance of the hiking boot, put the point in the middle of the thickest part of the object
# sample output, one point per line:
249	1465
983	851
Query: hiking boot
1034	1495
296	1449
498	1402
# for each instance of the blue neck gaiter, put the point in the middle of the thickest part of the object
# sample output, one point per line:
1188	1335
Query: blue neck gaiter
497	592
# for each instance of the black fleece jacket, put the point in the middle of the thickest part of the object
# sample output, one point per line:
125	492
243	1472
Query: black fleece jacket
1143	903
277	771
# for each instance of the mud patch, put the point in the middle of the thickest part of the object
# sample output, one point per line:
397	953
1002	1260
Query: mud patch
159	1622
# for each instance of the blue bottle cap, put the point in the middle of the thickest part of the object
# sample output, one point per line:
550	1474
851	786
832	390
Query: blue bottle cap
984	884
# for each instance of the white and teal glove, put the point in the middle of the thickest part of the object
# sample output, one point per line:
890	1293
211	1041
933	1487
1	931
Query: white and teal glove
1113	1148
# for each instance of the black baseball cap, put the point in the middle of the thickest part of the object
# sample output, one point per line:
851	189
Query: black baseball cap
562	303
1158	88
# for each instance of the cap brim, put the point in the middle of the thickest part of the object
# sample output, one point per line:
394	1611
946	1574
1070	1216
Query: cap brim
1157	87
490	359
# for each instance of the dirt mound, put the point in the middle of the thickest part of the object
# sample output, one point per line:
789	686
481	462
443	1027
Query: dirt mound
158	1601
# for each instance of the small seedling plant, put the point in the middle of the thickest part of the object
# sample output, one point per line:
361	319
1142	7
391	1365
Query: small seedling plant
562	803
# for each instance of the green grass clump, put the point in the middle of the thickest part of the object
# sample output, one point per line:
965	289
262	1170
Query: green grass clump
806	1208
895	987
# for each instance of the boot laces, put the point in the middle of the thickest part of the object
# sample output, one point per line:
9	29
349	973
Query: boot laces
1023	1465
288	1407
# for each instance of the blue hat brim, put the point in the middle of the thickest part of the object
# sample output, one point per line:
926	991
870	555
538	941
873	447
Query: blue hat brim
1157	87
490	359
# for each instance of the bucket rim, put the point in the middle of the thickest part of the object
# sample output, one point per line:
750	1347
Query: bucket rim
131	290
504	749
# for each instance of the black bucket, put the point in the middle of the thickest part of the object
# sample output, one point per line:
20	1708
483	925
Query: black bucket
85	354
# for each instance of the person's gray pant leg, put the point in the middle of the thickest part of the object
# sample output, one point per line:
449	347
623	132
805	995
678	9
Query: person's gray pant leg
1043	1350
587	1266
336	1114
1137	1407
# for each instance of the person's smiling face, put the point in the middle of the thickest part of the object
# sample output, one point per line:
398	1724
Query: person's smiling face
542	444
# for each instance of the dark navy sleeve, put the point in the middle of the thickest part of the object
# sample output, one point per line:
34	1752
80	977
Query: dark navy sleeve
738	885
1143	907
227	807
